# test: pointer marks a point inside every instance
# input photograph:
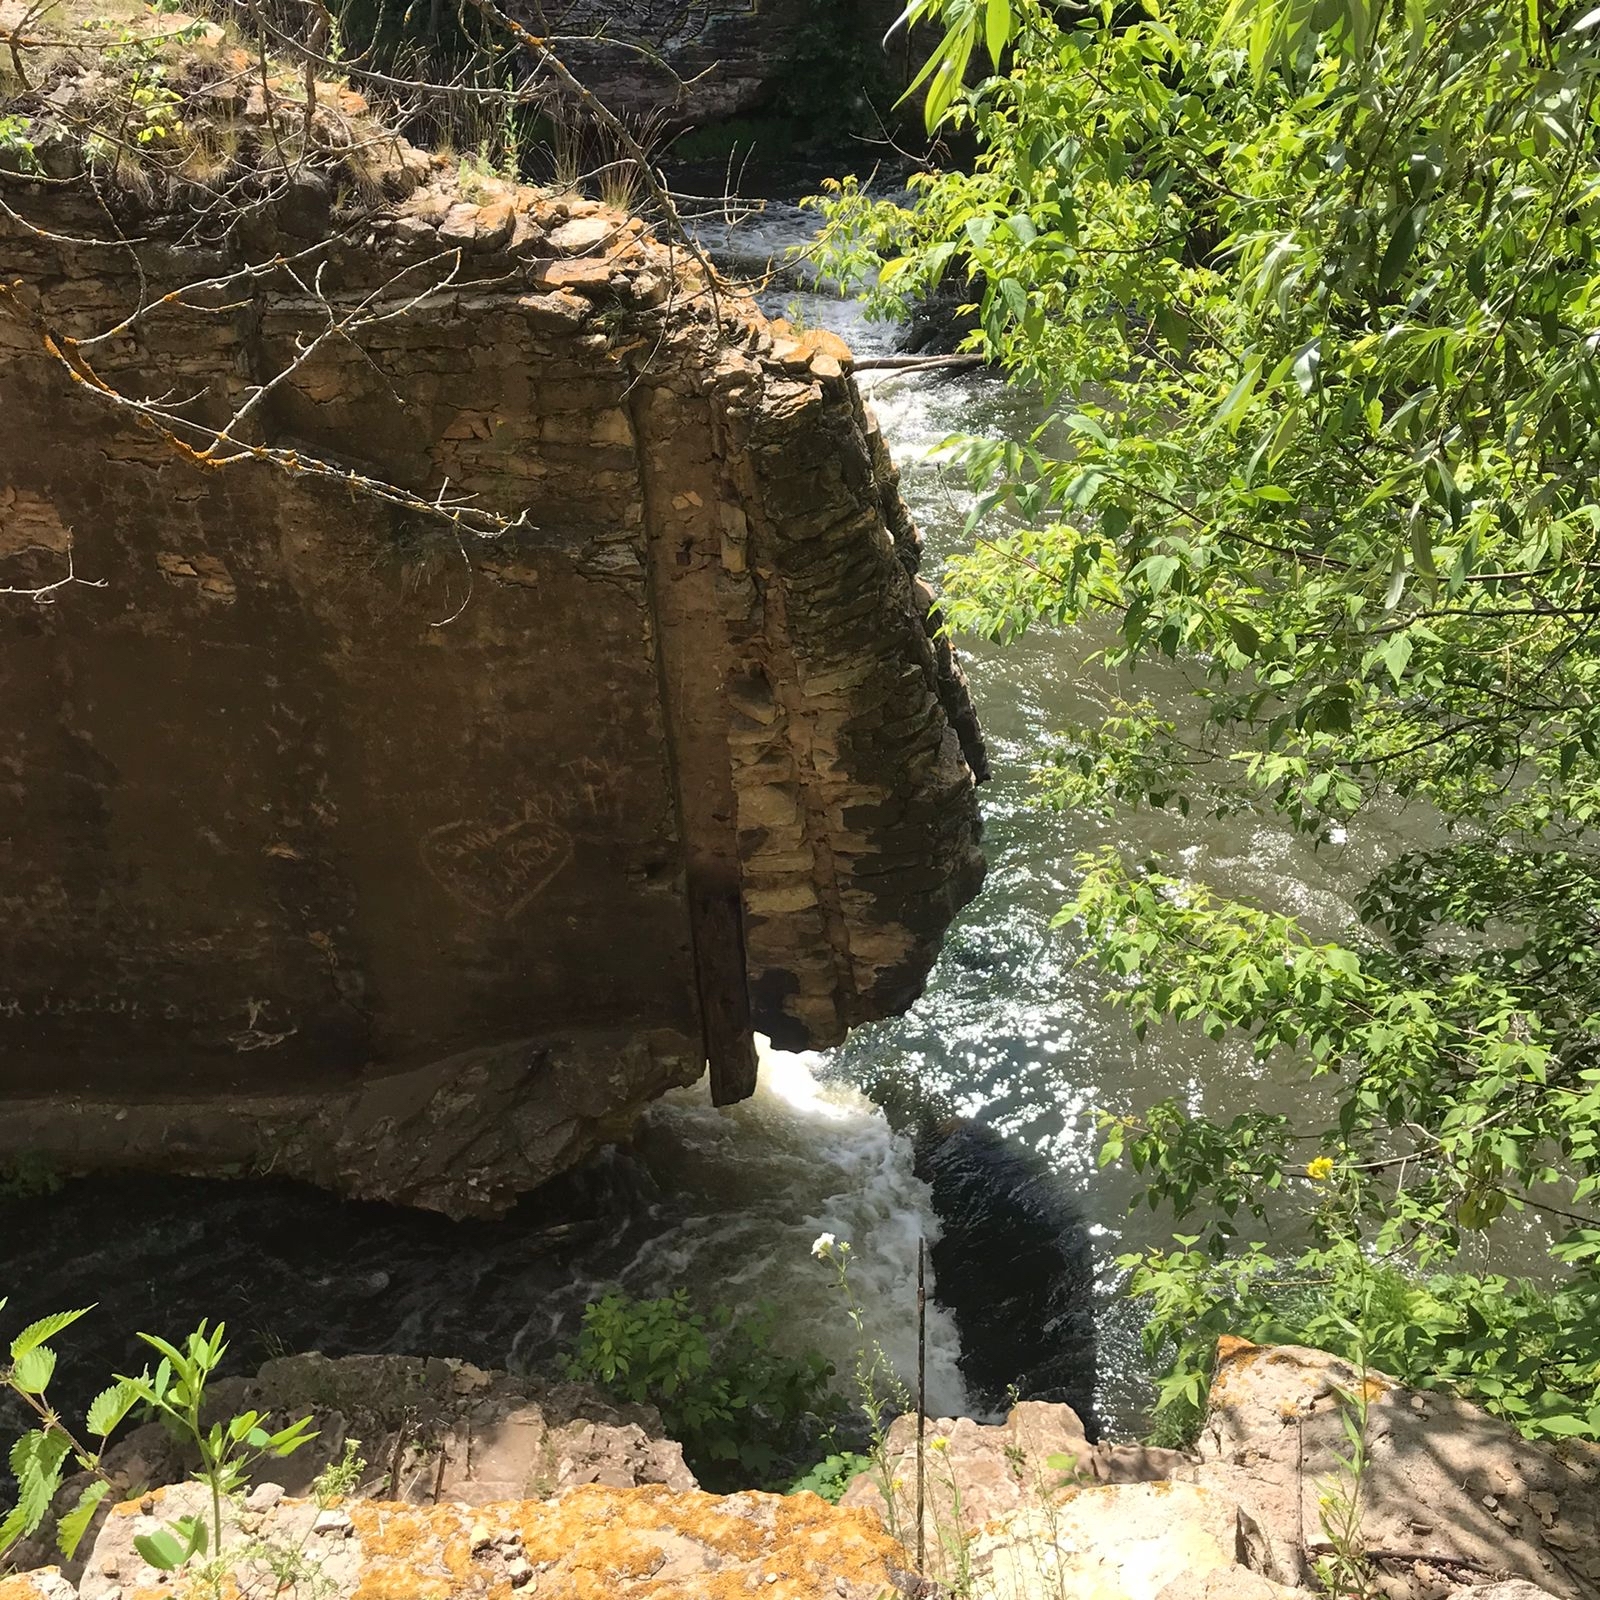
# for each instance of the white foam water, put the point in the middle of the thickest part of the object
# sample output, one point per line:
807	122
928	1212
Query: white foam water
751	1188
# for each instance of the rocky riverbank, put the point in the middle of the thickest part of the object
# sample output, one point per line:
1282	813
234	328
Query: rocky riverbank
482	1484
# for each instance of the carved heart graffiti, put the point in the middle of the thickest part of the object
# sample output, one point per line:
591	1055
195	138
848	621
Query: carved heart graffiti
496	867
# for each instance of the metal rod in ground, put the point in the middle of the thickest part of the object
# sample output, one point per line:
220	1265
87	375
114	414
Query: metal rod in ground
922	1391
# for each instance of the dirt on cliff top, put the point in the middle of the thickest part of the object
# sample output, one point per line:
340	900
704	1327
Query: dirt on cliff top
150	103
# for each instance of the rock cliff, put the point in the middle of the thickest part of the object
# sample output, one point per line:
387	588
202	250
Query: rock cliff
414	853
708	61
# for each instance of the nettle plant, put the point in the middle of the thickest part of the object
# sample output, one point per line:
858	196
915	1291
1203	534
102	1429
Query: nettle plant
1308	291
175	1394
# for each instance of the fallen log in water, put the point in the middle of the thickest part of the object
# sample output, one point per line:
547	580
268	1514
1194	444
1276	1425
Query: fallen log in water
913	363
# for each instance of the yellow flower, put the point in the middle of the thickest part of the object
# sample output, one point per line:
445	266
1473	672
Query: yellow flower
1320	1169
941	1443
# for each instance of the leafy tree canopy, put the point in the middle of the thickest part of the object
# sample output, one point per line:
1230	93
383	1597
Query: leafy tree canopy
1314	287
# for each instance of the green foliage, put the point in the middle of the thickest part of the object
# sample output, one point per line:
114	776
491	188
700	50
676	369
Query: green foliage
16	145
30	1173
39	1460
1345	1569
834	82
340	1479
1524	1352
831	1476
743	1411
1312	292
966	22
880	1393
437	43
175	1393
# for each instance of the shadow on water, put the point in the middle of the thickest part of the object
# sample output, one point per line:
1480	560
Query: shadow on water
1014	1265
289	1267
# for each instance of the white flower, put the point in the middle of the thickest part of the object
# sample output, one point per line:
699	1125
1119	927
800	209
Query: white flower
823	1248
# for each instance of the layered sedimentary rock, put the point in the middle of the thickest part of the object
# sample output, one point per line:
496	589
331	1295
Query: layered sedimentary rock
344	840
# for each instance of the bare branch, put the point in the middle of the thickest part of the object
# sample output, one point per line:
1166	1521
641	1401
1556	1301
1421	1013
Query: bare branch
44	594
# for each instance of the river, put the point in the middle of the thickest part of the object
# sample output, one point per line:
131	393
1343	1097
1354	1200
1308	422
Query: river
1013	1032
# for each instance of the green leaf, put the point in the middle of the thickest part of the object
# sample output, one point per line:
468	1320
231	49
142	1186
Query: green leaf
1237	400
173	1358
1245	636
109	1408
36	1333
997	29
32	1374
1021	226
75	1524
1402	242
162	1550
1564	1427
1396	656
1159	571
1307	361
14	1527
36	1463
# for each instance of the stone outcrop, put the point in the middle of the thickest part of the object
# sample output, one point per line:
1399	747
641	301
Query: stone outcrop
976	1473
1453	1503
428	1431
1449	1494
1025	1510
589	1544
414	860
1139	1541
707	61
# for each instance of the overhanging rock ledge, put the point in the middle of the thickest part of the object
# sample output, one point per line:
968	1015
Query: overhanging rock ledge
416	863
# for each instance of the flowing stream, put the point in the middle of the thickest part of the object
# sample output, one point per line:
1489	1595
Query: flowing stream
1013	1033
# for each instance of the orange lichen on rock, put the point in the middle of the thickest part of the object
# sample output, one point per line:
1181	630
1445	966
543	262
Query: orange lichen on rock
596	1542
1233	1354
45	1584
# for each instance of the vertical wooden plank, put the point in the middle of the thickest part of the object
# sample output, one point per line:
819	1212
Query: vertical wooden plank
689	611
716	922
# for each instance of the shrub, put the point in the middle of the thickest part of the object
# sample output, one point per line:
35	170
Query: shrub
743	1411
831	1476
